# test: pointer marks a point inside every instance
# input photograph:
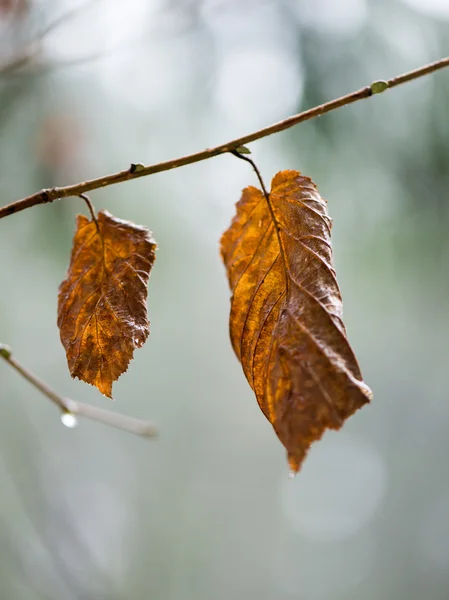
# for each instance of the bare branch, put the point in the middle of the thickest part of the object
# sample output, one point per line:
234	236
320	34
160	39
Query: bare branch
32	49
79	409
138	170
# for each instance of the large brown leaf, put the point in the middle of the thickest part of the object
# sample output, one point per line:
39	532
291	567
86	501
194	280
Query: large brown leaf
102	313
286	313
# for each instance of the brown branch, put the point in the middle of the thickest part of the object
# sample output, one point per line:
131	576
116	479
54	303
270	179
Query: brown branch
139	170
79	409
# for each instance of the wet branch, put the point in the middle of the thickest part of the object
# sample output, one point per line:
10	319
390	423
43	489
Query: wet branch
139	170
79	409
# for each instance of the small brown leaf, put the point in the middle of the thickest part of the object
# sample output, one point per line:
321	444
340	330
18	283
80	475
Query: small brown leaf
286	313
102	313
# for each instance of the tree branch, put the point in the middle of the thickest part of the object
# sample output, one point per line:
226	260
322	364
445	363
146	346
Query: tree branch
79	409
32	49
138	170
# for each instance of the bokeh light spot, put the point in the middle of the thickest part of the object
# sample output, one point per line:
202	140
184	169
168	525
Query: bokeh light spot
341	485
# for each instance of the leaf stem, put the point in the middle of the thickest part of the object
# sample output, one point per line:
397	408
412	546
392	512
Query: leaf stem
79	409
272	214
254	166
49	195
91	209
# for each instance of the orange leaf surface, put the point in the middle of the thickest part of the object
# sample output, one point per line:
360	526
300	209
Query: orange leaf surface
102	313
286	313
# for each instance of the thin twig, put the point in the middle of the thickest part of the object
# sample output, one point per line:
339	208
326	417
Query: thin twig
32	48
79	409
12	69
138	170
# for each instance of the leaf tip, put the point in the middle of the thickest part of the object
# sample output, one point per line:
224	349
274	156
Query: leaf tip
366	391
106	390
294	463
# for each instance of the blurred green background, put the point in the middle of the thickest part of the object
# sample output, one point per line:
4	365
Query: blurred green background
207	511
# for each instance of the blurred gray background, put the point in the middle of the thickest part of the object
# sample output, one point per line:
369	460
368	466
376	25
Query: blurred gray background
207	510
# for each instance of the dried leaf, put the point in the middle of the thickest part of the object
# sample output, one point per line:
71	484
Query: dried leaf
286	313
102	314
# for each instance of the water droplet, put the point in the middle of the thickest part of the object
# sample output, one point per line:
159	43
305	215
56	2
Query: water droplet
292	475
69	420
